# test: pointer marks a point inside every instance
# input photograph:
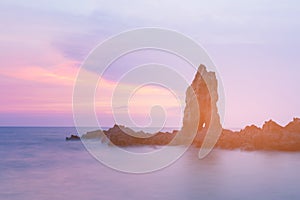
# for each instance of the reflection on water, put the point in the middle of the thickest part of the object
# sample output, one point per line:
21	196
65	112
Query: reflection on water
36	163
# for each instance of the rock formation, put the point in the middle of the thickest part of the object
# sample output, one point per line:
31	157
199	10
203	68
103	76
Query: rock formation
73	137
201	116
201	101
124	136
271	136
201	112
293	126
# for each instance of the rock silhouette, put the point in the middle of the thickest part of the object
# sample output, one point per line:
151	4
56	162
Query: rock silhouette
124	136
201	112
201	101
201	116
271	136
73	137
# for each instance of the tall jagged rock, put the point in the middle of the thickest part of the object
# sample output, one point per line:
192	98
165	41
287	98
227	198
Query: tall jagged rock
201	112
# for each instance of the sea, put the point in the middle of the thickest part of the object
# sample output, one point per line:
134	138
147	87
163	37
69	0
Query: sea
37	163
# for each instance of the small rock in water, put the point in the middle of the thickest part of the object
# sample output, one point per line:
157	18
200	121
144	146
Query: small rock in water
73	137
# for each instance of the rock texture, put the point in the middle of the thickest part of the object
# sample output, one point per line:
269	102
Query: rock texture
201	101
271	136
201	112
124	136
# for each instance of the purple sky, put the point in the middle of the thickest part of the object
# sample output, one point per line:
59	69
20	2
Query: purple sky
254	44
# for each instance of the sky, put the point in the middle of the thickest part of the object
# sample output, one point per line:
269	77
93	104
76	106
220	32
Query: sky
255	46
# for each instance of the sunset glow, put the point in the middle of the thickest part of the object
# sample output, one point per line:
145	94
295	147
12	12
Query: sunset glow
42	52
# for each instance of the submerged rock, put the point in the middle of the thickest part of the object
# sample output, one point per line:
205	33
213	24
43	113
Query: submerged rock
73	137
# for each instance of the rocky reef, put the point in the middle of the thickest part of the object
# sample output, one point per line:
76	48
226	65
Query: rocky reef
73	137
271	136
124	136
201	118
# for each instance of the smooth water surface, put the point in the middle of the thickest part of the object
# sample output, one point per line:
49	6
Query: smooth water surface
37	163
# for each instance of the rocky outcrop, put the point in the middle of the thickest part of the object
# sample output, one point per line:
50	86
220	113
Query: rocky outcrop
73	137
201	102
124	136
201	116
293	126
271	136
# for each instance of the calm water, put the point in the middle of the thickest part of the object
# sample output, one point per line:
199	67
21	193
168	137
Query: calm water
37	163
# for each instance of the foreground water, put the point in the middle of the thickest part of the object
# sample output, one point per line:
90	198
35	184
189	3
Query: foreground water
37	163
